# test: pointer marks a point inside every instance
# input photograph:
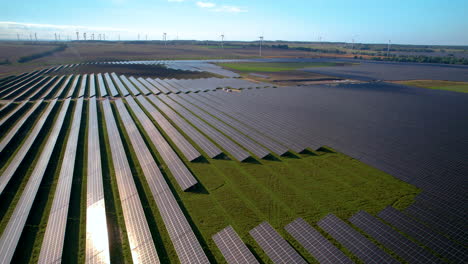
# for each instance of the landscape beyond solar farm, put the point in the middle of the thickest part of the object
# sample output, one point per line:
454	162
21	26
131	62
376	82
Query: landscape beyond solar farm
159	146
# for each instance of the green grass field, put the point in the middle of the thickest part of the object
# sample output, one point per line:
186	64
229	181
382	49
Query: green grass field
461	87
274	66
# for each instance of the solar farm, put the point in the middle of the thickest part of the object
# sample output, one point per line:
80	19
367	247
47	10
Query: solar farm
108	167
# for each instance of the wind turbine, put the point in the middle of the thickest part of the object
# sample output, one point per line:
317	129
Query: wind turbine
261	43
138	36
222	41
84	36
165	39
35	35
77	35
17	35
55	35
104	35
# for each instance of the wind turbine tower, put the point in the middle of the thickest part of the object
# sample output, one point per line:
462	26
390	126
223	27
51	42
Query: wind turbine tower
222	41
35	36
261	43
17	35
84	36
77	35
165	39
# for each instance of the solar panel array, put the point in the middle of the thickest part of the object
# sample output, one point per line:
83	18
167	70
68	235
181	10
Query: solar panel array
139	236
232	247
317	245
187	247
354	241
54	236
437	242
171	112
277	249
12	232
391	239
181	173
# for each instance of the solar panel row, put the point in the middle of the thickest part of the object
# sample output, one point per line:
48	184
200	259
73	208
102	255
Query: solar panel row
12	232
140	86
92	86
158	86
84	82
236	151
63	86
18	85
119	84
112	90
149	86
178	169
52	244
277	249
229	131
317	245
184	240
97	247
18	93
141	242
354	241
168	86
102	87
256	121
265	141
72	88
206	145
14	111
130	86
232	247
437	242
185	147
39	93
391	239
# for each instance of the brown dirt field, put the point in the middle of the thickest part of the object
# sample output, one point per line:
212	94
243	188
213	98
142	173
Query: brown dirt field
153	71
13	52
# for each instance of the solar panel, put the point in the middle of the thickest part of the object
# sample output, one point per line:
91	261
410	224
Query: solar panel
138	232
92	86
149	86
211	149
84	81
455	232
167	85
130	86
241	139
237	152
317	245
12	132
63	86
36	85
391	239
14	111
185	147
425	235
178	169
102	87
184	240
52	244
277	249
119	85
265	141
232	247
12	232
140	86
159	86
112	90
97	247
71	91
7	91
354	241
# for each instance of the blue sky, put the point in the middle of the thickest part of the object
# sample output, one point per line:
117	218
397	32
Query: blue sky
369	21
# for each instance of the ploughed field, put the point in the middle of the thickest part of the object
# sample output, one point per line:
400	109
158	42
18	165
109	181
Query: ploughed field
112	167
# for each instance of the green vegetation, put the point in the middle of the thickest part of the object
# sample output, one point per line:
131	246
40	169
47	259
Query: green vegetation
461	87
275	66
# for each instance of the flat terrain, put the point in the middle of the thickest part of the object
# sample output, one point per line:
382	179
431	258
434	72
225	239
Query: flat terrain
394	71
275	66
461	87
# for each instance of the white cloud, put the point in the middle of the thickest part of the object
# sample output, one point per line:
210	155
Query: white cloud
176	0
206	4
231	9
